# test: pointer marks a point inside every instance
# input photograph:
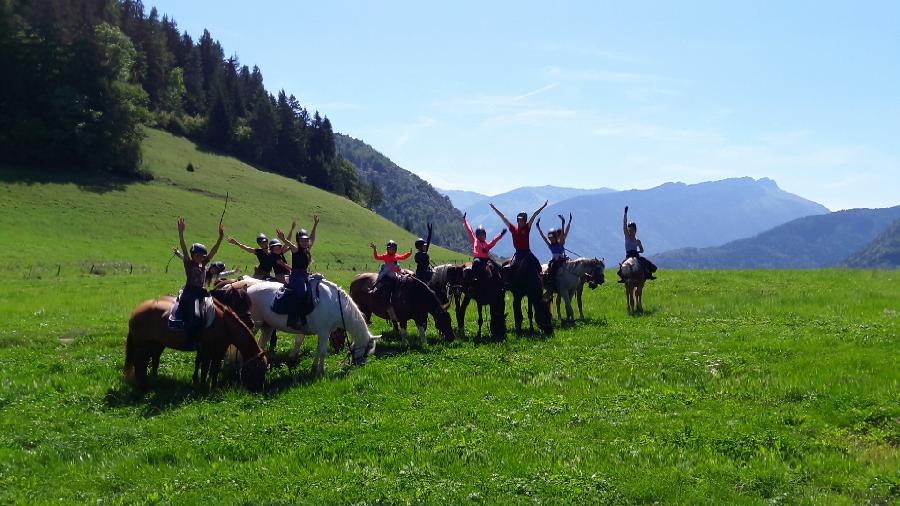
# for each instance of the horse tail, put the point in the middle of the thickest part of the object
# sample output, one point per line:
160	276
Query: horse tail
128	371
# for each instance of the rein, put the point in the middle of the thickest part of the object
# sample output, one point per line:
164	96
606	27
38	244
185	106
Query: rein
256	357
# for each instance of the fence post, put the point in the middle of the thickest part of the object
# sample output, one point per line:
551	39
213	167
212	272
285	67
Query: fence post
92	268
131	269
58	267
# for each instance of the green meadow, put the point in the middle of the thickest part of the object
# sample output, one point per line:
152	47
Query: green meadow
733	387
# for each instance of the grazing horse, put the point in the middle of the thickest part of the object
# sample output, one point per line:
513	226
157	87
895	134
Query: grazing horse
149	335
486	290
334	310
524	280
569	280
633	272
412	300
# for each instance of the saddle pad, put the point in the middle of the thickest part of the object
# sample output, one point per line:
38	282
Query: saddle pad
203	307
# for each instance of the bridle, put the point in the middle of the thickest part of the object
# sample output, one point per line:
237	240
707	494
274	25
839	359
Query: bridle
258	356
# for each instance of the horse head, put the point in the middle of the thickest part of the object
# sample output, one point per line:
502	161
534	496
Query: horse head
597	276
255	364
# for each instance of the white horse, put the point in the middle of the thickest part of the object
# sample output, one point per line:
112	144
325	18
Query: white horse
570	278
334	310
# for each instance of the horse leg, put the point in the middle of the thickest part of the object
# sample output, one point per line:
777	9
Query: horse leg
578	295
567	297
142	359
298	343
517	313
421	326
558	310
264	337
215	365
197	363
461	313
154	359
404	336
531	304
480	321
318	367
639	295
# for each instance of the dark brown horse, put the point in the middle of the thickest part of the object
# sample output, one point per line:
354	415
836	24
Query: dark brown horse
149	335
485	290
412	300
523	280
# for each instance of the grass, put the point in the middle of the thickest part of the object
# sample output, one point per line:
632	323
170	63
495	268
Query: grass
734	387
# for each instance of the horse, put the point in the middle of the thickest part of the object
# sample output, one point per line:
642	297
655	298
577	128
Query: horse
570	279
334	310
412	300
149	335
524	280
486	290
446	283
634	275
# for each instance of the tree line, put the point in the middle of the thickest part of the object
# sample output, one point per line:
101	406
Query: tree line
85	75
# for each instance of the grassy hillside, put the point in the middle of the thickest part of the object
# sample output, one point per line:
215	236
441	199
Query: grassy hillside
814	241
883	252
734	388
48	221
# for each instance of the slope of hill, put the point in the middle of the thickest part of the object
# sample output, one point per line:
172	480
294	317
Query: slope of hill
461	199
73	223
883	252
814	241
675	215
408	200
526	198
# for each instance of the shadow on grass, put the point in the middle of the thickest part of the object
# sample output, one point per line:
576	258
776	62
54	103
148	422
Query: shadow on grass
162	394
99	183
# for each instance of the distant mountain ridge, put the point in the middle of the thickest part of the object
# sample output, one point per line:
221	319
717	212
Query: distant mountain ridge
671	216
811	242
881	253
526	198
408	200
461	199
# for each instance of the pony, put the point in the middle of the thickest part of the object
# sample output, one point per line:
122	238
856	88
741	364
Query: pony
334	310
486	291
633	272
149	335
446	283
413	300
524	280
569	280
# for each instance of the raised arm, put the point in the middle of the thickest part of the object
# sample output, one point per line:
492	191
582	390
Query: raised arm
215	247
625	222
468	228
248	249
495	239
428	239
537	212
404	256
293	226
286	241
541	232
502	217
184	249
568	225
312	233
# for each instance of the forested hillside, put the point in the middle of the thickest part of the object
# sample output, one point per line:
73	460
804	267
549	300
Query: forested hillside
883	252
89	73
403	197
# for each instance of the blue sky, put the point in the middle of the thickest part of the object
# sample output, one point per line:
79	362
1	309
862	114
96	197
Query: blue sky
489	96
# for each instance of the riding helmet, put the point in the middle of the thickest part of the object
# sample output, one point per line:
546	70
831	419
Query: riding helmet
420	242
480	230
198	249
392	244
523	215
261	238
302	234
220	266
274	242
632	225
551	232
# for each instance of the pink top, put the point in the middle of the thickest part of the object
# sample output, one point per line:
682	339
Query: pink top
480	248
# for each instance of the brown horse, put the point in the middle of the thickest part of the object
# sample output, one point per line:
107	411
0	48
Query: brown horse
149	335
412	300
635	277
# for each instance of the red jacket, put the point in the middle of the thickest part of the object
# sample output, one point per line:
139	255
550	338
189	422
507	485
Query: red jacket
391	258
480	248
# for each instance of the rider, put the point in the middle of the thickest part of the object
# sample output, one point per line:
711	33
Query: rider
423	262
301	257
216	272
195	261
389	270
266	259
556	241
281	267
481	257
634	248
520	236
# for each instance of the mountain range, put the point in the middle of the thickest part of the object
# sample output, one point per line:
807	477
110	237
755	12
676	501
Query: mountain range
838	238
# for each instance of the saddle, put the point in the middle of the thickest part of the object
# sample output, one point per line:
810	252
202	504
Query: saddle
288	301
200	315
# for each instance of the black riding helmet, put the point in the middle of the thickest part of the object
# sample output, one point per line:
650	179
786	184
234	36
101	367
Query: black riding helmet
632	225
391	244
220	266
198	249
420	242
274	242
302	234
480	230
522	215
261	238
551	232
